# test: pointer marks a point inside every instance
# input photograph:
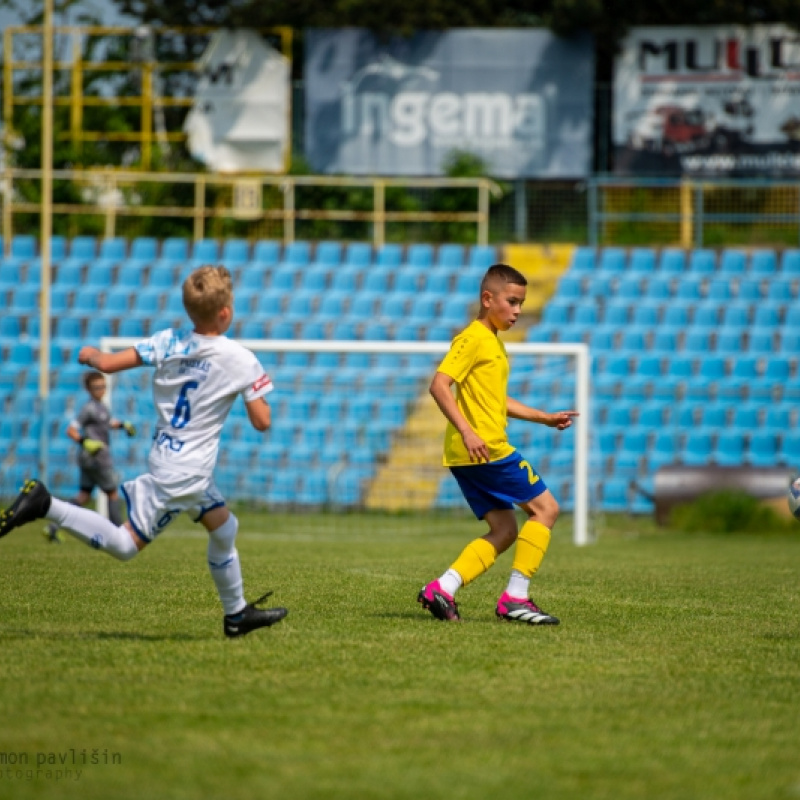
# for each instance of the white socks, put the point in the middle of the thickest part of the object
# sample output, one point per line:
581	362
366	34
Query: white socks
223	563
518	585
451	582
93	529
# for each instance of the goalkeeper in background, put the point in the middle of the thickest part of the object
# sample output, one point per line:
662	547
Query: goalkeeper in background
90	431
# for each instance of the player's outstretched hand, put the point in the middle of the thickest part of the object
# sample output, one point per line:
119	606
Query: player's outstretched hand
561	420
129	428
86	354
92	446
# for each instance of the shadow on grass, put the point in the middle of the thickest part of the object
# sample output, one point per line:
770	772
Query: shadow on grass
103	635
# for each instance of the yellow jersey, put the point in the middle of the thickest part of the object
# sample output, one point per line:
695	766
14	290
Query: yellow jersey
478	363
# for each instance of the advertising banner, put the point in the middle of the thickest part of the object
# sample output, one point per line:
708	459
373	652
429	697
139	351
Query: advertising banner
519	99
240	118
716	101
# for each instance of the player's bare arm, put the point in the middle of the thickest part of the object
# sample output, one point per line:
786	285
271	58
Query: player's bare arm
110	362
441	391
259	413
561	420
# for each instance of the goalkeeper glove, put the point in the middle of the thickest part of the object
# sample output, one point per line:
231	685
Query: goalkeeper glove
92	446
129	428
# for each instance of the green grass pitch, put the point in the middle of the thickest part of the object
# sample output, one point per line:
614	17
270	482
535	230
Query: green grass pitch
675	672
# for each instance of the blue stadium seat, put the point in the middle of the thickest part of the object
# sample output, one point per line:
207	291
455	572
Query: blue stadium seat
743	372
468	282
767	314
389	256
614	495
68	331
113	251
633	340
133	327
375	282
780	289
762	340
652	415
714	415
598	285
629	287
99	275
314	278
86	304
762	450
676	316
59	300
706	315
633	447
269	305
658	287
767	387
284	277
9	277
746	417
612	259
642	260
343	330
481	257
697	447
556	313
97	328
363	304
665	341
790	262
407	280
583	260
299	306
672	261
710	371
423	309
585	316
235	253
204	251
420	255
749	290
346	278
778	419
144	251
646	314
450	256
438	283
266	253
24	300
570	287
733	262
763	262
147	303
358	254
729	449
23	249
789	447
83	249
332	306
328	254
70	276
689	287
736	314
702	262
394	306
664	450
174	253
729	341
720	289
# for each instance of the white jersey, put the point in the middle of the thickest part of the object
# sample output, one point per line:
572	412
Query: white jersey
197	379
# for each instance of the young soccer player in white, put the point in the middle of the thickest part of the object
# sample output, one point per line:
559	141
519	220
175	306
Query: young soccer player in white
198	375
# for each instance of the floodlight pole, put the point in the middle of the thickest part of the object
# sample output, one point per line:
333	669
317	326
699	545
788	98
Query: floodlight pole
46	217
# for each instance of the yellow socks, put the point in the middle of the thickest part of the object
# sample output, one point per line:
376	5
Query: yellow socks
475	559
530	548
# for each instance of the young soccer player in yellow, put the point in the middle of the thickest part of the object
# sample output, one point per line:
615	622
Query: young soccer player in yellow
492	475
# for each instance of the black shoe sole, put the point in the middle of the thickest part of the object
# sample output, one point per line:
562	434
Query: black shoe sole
30	504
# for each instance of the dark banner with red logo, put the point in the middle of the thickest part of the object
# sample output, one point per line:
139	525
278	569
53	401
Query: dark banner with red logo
716	101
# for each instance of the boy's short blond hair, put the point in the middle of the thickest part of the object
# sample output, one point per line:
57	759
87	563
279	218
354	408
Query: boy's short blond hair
206	292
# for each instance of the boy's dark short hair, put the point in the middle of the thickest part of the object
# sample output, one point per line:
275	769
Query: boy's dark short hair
504	273
90	377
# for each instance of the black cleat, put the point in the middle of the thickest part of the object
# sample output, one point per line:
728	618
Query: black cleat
434	599
31	503
251	618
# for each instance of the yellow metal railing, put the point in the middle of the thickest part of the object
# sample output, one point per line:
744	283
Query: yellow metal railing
111	194
77	67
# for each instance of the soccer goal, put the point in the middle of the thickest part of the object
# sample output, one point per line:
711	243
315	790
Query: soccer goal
355	429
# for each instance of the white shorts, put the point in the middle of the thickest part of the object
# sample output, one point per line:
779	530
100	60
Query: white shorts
153	502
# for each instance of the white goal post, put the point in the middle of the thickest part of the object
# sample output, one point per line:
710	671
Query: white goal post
521	355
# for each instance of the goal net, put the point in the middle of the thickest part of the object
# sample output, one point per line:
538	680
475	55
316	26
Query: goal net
354	429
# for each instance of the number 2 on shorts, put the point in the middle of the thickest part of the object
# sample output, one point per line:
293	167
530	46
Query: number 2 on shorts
183	411
532	476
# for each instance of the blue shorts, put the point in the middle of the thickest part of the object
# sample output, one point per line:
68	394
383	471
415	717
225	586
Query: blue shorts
498	484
